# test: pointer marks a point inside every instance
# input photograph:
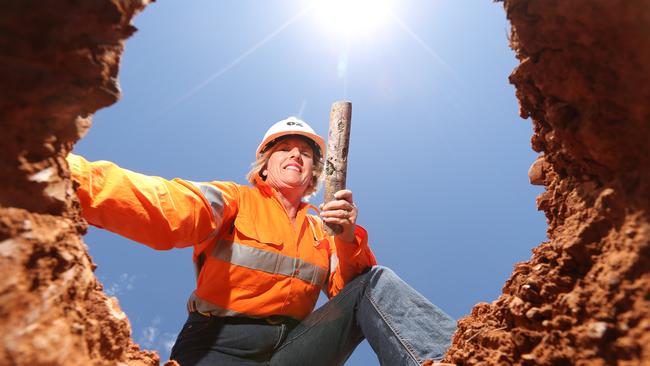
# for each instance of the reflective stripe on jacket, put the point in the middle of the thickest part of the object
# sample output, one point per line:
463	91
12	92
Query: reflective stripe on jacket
255	262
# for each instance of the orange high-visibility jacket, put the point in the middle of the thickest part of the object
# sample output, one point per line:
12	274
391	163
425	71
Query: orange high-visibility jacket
254	261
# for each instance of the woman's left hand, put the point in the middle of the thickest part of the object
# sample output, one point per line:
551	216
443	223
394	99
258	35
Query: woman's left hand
341	211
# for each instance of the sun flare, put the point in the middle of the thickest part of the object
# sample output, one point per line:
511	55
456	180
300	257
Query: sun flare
352	18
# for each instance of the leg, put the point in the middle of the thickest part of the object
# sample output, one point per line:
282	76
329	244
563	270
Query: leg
400	324
207	341
327	336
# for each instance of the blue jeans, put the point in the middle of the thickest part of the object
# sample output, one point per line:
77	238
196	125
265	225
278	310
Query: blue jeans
401	326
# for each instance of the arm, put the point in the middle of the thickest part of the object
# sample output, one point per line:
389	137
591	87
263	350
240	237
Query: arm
348	261
151	210
350	255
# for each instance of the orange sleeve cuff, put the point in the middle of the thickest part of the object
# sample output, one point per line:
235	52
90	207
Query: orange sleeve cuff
78	169
353	259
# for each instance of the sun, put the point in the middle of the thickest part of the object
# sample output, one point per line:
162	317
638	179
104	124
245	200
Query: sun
352	18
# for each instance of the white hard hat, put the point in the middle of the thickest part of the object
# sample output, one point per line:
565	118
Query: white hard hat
290	126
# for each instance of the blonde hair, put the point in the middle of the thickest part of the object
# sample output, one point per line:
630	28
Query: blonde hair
254	175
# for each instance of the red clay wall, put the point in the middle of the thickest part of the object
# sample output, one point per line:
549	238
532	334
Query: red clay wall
58	64
584	296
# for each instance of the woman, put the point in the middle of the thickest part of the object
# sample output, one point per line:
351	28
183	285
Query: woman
261	261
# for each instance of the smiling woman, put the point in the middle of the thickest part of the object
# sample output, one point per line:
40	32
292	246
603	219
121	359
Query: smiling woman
352	18
261	262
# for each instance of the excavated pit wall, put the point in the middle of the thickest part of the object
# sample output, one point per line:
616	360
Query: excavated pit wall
584	296
58	65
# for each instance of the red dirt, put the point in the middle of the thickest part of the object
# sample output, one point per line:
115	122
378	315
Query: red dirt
58	65
584	296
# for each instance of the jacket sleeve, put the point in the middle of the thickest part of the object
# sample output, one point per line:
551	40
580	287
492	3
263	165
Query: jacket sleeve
154	211
348	260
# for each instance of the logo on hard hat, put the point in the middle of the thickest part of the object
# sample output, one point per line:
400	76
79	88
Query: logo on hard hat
292	123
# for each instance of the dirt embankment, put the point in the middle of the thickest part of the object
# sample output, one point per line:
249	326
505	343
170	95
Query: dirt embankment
584	296
58	64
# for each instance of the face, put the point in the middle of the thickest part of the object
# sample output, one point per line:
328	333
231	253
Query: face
290	165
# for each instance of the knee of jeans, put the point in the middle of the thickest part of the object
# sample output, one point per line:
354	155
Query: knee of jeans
381	274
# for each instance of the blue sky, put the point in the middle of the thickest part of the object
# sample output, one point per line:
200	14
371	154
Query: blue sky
438	155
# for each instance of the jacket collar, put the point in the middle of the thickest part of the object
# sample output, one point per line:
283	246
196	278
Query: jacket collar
268	191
